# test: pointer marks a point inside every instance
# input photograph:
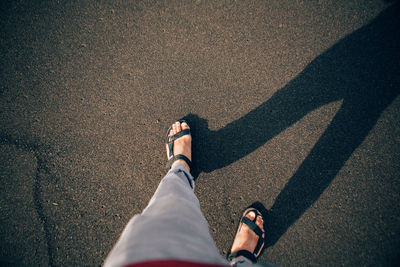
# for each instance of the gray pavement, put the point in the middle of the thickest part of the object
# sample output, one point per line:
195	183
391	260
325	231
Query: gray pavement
292	103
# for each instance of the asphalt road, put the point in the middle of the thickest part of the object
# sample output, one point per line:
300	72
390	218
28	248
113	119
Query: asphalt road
292	103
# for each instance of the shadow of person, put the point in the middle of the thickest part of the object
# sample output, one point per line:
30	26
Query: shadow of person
362	70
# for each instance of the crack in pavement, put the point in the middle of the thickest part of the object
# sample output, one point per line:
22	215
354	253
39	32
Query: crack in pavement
37	188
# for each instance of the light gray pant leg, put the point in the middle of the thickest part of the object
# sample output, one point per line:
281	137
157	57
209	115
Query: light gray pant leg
172	226
241	262
244	262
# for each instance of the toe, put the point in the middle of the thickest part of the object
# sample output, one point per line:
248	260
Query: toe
184	125
178	126
251	215
260	222
174	129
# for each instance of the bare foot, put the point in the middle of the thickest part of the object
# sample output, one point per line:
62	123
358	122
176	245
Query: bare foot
245	238
182	145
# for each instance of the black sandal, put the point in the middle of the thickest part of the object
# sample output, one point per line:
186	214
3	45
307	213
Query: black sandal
170	143
253	256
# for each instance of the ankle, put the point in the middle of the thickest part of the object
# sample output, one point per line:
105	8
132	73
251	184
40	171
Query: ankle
180	161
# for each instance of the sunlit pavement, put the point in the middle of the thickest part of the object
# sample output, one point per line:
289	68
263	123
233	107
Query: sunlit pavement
294	105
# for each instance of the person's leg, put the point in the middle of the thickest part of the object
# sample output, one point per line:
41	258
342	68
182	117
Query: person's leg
172	226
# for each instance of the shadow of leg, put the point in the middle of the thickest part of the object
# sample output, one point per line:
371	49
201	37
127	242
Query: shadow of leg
348	129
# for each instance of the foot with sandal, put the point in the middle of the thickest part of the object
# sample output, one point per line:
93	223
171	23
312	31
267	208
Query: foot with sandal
250	237
187	239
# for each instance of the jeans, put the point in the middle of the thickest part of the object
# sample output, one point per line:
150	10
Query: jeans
172	226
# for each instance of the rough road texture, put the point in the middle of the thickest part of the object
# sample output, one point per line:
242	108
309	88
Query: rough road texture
292	103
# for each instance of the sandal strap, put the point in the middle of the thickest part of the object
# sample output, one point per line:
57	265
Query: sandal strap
170	142
244	253
259	247
257	230
254	227
171	139
176	157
